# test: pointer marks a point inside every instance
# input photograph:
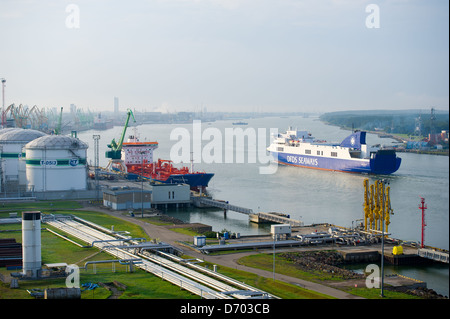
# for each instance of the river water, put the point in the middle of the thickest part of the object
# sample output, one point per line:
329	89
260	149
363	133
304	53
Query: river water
312	196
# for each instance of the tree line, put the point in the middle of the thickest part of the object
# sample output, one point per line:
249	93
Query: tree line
398	122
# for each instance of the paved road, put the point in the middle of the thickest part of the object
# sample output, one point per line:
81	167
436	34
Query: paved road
228	260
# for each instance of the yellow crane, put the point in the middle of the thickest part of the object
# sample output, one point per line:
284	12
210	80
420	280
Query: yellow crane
377	203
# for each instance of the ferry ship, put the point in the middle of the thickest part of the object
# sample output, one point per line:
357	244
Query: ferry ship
137	156
299	148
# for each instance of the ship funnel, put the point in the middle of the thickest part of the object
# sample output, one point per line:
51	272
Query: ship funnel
354	140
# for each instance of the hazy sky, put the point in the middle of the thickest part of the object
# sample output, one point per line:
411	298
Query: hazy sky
226	55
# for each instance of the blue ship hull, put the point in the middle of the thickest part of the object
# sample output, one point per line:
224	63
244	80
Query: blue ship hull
384	162
195	180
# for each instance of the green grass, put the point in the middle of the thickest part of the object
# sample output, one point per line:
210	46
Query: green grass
107	221
371	293
277	288
155	220
282	266
38	205
140	285
185	231
285	267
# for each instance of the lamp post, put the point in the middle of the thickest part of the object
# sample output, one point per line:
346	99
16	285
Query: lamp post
274	235
3	103
383	182
142	184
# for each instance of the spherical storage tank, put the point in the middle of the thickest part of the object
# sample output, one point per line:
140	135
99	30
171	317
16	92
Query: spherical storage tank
12	142
55	163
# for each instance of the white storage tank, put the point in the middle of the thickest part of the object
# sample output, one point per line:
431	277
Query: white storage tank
12	142
31	243
8	129
56	163
3	131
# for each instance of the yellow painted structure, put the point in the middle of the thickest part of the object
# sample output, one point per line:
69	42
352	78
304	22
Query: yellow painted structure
397	250
377	203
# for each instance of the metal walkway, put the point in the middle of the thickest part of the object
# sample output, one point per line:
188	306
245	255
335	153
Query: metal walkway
261	217
279	219
221	204
251	245
433	254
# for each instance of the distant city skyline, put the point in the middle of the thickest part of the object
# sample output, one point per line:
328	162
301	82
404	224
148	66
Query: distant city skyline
226	55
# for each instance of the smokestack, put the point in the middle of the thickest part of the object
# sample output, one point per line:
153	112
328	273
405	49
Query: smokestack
31	243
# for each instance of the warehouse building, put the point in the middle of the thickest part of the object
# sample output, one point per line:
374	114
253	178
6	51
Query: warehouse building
155	196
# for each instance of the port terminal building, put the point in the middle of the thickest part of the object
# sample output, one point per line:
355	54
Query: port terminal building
153	196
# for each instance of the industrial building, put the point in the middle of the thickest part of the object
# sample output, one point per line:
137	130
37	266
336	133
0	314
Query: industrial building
126	198
163	194
153	196
35	165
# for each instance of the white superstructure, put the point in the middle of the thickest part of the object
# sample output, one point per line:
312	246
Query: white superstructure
302	142
135	152
298	148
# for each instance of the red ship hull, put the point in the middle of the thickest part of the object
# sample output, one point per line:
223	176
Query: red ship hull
165	172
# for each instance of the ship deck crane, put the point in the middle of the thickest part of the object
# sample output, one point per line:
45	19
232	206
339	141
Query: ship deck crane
115	154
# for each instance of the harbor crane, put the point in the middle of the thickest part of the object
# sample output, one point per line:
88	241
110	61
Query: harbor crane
377	206
57	130
115	152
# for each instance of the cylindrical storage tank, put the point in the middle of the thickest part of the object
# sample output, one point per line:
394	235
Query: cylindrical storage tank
31	243
8	129
3	131
62	293
55	163
12	143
